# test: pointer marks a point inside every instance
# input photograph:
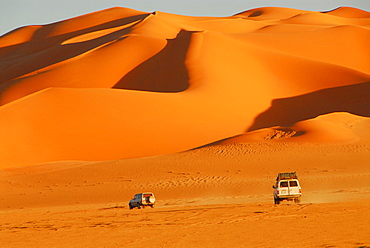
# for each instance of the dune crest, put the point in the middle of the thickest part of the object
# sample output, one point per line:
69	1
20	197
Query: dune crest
122	83
349	12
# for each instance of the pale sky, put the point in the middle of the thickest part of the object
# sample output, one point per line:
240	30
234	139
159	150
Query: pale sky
19	13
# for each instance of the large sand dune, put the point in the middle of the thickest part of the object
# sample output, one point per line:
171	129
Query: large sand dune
120	83
203	111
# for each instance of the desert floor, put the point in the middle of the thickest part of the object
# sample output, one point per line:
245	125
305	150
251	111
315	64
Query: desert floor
215	196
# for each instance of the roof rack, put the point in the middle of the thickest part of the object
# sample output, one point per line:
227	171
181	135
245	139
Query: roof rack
287	175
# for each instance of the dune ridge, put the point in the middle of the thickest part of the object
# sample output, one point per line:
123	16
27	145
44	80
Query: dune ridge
122	83
202	111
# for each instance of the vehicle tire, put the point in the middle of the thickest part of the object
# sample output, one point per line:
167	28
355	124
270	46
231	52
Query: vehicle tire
130	206
138	206
297	200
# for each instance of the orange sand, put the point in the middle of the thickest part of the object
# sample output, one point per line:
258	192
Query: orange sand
203	111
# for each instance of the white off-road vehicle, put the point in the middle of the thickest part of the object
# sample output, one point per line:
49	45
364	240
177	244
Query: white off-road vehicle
287	187
142	200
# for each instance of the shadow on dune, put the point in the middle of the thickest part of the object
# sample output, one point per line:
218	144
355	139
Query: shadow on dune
164	72
43	50
354	99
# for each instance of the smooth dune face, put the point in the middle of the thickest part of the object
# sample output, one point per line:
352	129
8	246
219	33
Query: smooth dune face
122	83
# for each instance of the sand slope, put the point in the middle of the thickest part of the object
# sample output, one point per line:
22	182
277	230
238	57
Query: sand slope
121	83
204	112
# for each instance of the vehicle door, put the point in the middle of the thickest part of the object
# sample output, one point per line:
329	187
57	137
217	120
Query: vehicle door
293	187
138	198
283	188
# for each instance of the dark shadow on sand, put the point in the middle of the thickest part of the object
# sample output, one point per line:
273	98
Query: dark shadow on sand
43	50
354	99
164	72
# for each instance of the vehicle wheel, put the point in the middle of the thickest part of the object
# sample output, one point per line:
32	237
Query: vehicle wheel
297	200
138	206
130	206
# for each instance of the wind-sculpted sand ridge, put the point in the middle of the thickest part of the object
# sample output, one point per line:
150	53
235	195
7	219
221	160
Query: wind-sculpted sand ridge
202	111
121	83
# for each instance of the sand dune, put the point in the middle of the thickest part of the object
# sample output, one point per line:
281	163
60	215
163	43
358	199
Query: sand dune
203	111
121	83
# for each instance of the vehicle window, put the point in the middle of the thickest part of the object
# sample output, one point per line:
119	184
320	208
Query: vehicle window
284	184
293	184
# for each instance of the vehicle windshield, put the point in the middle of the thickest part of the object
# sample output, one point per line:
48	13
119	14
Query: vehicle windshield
283	184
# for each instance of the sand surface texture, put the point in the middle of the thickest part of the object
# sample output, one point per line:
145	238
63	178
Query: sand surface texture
202	111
